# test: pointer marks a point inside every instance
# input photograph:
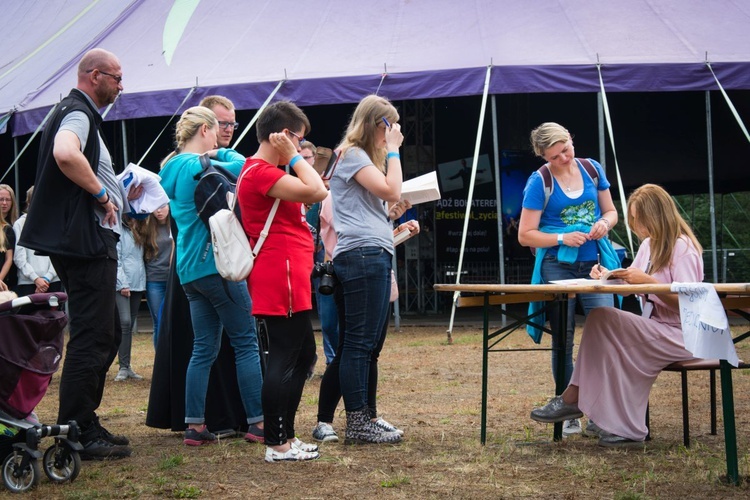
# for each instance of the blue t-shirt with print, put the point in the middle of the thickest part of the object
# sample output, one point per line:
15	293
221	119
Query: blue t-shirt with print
564	211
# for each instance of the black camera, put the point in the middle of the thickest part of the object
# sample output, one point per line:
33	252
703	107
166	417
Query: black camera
324	271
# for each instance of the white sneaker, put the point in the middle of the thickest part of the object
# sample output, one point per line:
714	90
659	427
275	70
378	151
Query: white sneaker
302	446
324	433
572	426
133	375
387	427
292	455
122	375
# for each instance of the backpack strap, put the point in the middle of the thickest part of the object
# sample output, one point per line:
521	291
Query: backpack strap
205	165
549	186
591	170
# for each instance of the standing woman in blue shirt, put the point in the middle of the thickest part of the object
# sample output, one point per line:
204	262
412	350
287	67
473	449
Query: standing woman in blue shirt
367	177
214	301
568	227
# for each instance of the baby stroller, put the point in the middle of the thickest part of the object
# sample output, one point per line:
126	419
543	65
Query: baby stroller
31	341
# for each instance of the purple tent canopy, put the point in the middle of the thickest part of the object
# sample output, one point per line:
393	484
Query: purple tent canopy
336	51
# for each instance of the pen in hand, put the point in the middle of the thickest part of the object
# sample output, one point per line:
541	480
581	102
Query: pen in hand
388	125
599	261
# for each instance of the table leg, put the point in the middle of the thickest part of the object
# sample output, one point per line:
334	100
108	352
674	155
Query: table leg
730	432
485	350
562	314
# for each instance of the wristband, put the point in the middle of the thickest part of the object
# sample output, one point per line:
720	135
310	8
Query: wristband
606	223
294	160
392	154
100	194
103	202
45	278
559	238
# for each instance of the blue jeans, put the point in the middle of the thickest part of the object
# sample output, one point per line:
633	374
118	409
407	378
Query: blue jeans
216	302
552	269
155	291
329	321
365	276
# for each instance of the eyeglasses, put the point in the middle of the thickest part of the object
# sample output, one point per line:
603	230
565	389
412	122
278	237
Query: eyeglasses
117	79
299	139
228	125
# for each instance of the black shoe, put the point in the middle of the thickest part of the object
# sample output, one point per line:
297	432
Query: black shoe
109	437
99	449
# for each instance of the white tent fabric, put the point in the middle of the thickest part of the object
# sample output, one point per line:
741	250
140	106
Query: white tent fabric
333	51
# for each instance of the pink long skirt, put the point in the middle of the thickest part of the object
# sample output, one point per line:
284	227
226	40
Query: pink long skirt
619	358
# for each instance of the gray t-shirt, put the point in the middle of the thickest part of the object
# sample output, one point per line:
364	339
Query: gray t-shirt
78	123
360	217
158	268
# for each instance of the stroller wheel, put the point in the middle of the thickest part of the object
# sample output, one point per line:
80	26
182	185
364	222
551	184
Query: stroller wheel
61	463
20	472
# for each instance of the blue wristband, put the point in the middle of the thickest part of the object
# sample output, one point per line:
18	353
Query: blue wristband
294	160
101	193
392	155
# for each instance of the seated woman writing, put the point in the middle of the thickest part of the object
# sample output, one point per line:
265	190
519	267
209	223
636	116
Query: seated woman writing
621	353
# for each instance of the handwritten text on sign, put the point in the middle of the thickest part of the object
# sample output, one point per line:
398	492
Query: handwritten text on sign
704	322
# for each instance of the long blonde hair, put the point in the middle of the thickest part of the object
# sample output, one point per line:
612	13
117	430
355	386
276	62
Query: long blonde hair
657	217
364	124
13	214
3	239
187	127
144	234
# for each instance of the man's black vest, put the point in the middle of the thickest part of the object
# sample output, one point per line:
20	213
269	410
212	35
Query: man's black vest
61	218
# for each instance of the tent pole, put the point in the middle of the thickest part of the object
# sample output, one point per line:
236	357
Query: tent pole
124	143
472	179
600	122
257	114
498	193
396	308
711	201
38	129
15	171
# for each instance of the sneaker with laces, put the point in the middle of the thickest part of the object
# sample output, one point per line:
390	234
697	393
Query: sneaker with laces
302	446
99	449
194	437
556	411
133	375
122	375
572	426
324	433
387	426
255	434
292	455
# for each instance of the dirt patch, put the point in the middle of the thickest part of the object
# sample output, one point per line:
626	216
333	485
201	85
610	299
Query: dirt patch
432	390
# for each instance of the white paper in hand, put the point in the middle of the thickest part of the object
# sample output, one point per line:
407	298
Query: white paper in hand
704	322
153	195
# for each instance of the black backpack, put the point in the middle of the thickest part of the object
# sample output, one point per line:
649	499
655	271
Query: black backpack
214	182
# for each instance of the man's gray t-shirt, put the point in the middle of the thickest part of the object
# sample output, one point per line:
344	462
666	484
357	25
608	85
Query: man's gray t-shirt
78	123
360	217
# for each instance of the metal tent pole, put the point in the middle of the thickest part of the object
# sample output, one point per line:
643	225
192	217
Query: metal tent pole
711	201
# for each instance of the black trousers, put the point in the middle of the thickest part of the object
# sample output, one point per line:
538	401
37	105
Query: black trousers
291	350
94	333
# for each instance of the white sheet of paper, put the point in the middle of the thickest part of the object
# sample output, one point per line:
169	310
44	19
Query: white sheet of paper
704	322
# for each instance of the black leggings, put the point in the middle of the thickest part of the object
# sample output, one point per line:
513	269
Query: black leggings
330	386
291	349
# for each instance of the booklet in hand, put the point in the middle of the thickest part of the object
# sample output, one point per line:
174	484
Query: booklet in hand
421	189
607	277
401	234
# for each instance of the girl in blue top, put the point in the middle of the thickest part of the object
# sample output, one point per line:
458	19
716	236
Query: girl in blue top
569	228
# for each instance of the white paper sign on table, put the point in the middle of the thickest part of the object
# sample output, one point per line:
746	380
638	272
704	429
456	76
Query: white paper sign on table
704	322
